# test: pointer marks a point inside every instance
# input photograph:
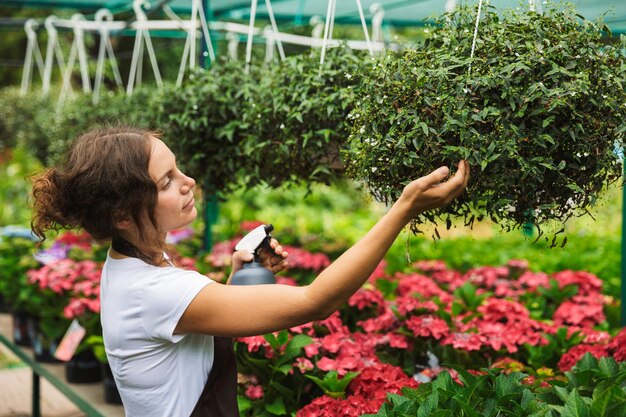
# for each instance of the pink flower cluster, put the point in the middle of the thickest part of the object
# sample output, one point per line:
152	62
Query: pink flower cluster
75	285
426	308
612	347
302	259
365	394
501	322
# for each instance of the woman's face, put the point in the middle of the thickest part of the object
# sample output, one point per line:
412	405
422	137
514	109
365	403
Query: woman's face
175	203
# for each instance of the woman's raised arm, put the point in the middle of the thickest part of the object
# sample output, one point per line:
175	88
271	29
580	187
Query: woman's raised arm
225	310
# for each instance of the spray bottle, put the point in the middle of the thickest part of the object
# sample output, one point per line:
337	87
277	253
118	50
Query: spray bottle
253	273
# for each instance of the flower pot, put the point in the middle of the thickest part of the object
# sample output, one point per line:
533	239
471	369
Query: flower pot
4	306
20	321
83	368
43	345
111	394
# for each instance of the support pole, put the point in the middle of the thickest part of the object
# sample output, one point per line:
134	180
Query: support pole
623	269
210	209
36	404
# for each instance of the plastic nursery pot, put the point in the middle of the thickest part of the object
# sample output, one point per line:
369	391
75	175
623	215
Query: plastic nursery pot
83	368
43	345
20	328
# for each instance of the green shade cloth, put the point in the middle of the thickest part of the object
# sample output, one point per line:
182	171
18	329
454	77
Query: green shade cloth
397	12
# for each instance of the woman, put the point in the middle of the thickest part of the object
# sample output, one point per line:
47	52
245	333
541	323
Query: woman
167	331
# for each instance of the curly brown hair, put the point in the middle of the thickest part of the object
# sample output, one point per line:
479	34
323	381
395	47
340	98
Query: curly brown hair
103	180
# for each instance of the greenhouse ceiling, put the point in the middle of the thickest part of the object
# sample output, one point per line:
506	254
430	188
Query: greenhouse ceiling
397	12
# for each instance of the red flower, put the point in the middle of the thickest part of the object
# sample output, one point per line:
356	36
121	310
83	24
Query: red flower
407	304
495	309
377	380
534	280
618	346
385	321
580	311
486	276
569	359
367	297
427	326
303	364
254	392
450	278
465	341
302	259
286	281
82	239
255	343
588	283
517	264
421	285
430	265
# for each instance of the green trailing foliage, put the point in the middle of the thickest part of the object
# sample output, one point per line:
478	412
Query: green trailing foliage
23	122
298	124
275	123
204	122
537	111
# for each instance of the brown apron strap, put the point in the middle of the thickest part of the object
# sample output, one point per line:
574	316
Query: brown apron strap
219	396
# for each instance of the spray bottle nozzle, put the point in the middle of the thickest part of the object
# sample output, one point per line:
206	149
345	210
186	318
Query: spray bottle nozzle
254	272
255	239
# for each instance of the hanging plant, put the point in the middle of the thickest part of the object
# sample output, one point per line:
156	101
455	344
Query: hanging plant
537	112
204	120
278	122
298	120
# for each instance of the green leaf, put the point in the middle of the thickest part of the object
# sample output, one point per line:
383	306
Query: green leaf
277	407
243	403
294	347
424	127
575	406
429	405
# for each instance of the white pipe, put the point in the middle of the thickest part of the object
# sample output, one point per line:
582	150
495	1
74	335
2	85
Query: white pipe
250	34
364	25
270	11
79	40
326	30
32	50
205	30
53	50
105	50
377	22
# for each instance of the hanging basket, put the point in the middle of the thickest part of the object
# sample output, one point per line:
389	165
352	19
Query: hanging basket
538	112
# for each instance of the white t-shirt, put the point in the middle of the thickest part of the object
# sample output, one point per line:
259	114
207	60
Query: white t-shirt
157	373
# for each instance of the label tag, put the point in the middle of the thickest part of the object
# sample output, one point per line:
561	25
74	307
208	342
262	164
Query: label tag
70	341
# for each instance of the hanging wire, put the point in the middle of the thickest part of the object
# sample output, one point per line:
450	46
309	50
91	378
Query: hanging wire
330	14
480	4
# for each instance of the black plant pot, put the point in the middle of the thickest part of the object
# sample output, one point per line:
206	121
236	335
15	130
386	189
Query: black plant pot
4	306
43	345
83	368
111	394
21	335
